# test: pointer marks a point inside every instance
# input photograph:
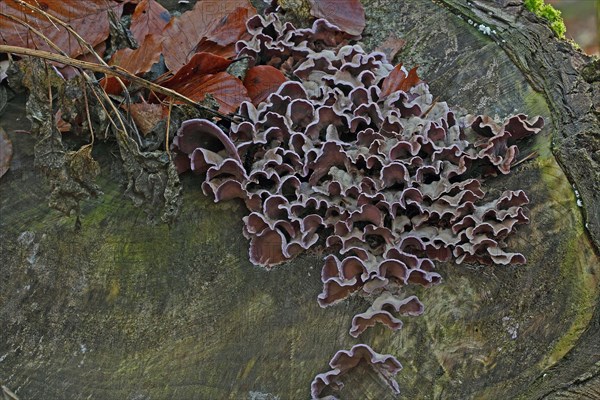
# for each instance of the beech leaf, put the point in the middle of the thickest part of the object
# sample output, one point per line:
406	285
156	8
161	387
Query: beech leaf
391	46
398	80
199	64
226	89
231	27
141	59
348	15
220	22
146	116
261	81
149	17
89	18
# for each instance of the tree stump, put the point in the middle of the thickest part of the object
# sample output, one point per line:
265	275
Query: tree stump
120	309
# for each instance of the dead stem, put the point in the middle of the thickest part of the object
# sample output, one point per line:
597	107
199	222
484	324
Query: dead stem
87	114
168	128
526	158
113	70
430	107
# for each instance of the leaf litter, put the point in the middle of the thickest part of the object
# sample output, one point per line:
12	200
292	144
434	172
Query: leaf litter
189	53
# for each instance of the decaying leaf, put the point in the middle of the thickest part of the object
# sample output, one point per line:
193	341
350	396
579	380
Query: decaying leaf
6	152
3	98
70	174
141	59
349	15
152	180
149	17
391	46
220	22
146	116
261	81
199	64
89	18
226	89
204	74
82	167
61	124
399	80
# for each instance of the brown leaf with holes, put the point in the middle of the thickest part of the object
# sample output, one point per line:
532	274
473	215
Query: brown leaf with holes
348	15
261	81
6	152
149	17
89	18
222	22
398	80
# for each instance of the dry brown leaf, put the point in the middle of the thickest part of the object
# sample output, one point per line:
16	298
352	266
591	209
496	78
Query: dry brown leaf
141	59
261	81
231	27
146	116
208	46
207	20
226	89
199	64
89	18
149	17
391	46
348	15
398	80
136	61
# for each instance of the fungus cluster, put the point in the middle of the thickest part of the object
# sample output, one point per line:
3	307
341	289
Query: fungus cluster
354	154
386	367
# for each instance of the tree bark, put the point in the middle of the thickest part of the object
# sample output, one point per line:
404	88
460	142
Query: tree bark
125	310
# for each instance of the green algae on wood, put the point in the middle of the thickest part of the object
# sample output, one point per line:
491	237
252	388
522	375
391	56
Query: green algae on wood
549	13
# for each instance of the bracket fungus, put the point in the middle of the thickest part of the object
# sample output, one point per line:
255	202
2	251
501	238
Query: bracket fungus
386	367
354	154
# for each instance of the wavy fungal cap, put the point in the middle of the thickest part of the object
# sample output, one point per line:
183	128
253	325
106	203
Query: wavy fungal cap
354	155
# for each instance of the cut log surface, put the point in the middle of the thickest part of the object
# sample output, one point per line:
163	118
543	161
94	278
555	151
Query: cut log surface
120	309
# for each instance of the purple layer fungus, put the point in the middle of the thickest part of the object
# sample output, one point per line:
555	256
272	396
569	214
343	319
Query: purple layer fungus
389	182
386	367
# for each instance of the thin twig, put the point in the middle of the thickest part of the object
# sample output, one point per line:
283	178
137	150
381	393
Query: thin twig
527	157
68	27
168	128
139	81
87	114
430	107
8	394
111	71
32	29
82	42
